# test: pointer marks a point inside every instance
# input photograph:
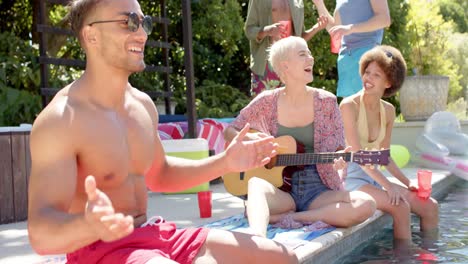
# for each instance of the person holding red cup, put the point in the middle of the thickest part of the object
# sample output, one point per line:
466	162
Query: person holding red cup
268	21
424	183
355	27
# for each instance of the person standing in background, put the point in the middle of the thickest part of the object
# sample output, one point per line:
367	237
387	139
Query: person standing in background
268	21
358	25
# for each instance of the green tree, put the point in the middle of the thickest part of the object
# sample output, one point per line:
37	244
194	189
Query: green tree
456	12
420	29
16	17
458	55
428	35
19	79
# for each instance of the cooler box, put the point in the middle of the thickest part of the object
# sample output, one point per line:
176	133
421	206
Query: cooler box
196	148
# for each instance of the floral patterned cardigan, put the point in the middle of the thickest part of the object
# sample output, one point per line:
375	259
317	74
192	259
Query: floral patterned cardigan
262	114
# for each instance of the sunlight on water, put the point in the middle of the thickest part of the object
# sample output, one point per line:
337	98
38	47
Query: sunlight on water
451	246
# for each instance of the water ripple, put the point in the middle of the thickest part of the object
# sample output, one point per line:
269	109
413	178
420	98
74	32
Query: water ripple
450	247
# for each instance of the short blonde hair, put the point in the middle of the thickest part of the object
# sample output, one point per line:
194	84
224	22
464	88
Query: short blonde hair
280	50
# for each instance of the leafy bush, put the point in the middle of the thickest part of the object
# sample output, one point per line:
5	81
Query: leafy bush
457	54
19	79
18	106
455	11
458	108
215	100
18	63
429	41
221	51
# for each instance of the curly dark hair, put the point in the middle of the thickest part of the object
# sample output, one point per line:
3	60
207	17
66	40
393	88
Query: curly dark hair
390	61
79	10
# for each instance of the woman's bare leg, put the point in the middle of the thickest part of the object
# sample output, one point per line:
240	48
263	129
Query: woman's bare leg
338	208
401	213
426	209
265	199
232	247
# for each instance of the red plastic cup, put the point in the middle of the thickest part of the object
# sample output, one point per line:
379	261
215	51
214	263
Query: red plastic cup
335	45
285	28
424	183
204	204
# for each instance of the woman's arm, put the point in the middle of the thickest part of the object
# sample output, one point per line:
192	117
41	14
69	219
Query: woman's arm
253	28
381	19
323	11
322	22
392	167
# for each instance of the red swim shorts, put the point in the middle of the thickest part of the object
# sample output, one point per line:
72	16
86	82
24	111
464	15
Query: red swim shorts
145	243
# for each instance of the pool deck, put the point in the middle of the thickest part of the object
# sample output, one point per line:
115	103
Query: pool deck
183	210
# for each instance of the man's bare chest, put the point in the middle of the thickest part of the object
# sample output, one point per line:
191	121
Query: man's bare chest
113	148
280	7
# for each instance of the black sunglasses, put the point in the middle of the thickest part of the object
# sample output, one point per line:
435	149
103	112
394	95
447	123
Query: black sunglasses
133	22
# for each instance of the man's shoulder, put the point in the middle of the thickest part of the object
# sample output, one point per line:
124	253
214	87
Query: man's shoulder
140	95
57	108
57	114
143	98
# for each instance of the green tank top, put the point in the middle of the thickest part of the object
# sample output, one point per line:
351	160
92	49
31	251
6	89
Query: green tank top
304	135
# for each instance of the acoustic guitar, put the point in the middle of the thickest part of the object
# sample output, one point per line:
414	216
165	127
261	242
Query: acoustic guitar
236	183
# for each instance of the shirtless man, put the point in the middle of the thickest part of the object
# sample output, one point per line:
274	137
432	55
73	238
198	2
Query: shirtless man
262	28
95	149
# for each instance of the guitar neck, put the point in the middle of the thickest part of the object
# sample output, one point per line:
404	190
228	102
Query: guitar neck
310	158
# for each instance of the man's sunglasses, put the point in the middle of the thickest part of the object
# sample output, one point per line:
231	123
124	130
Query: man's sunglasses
133	22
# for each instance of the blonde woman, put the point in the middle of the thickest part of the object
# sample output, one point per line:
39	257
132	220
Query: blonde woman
312	117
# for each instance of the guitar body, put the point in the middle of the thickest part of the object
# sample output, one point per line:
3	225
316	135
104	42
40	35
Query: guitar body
290	158
237	183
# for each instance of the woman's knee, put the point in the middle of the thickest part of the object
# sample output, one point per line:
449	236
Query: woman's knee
366	207
400	211
364	201
258	185
363	205
430	209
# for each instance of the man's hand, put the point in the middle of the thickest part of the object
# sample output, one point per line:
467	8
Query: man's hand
243	154
273	30
252	136
100	214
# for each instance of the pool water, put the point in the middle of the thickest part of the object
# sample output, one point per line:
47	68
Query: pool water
450	246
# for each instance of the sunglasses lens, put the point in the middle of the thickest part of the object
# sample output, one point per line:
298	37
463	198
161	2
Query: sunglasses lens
147	24
133	22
